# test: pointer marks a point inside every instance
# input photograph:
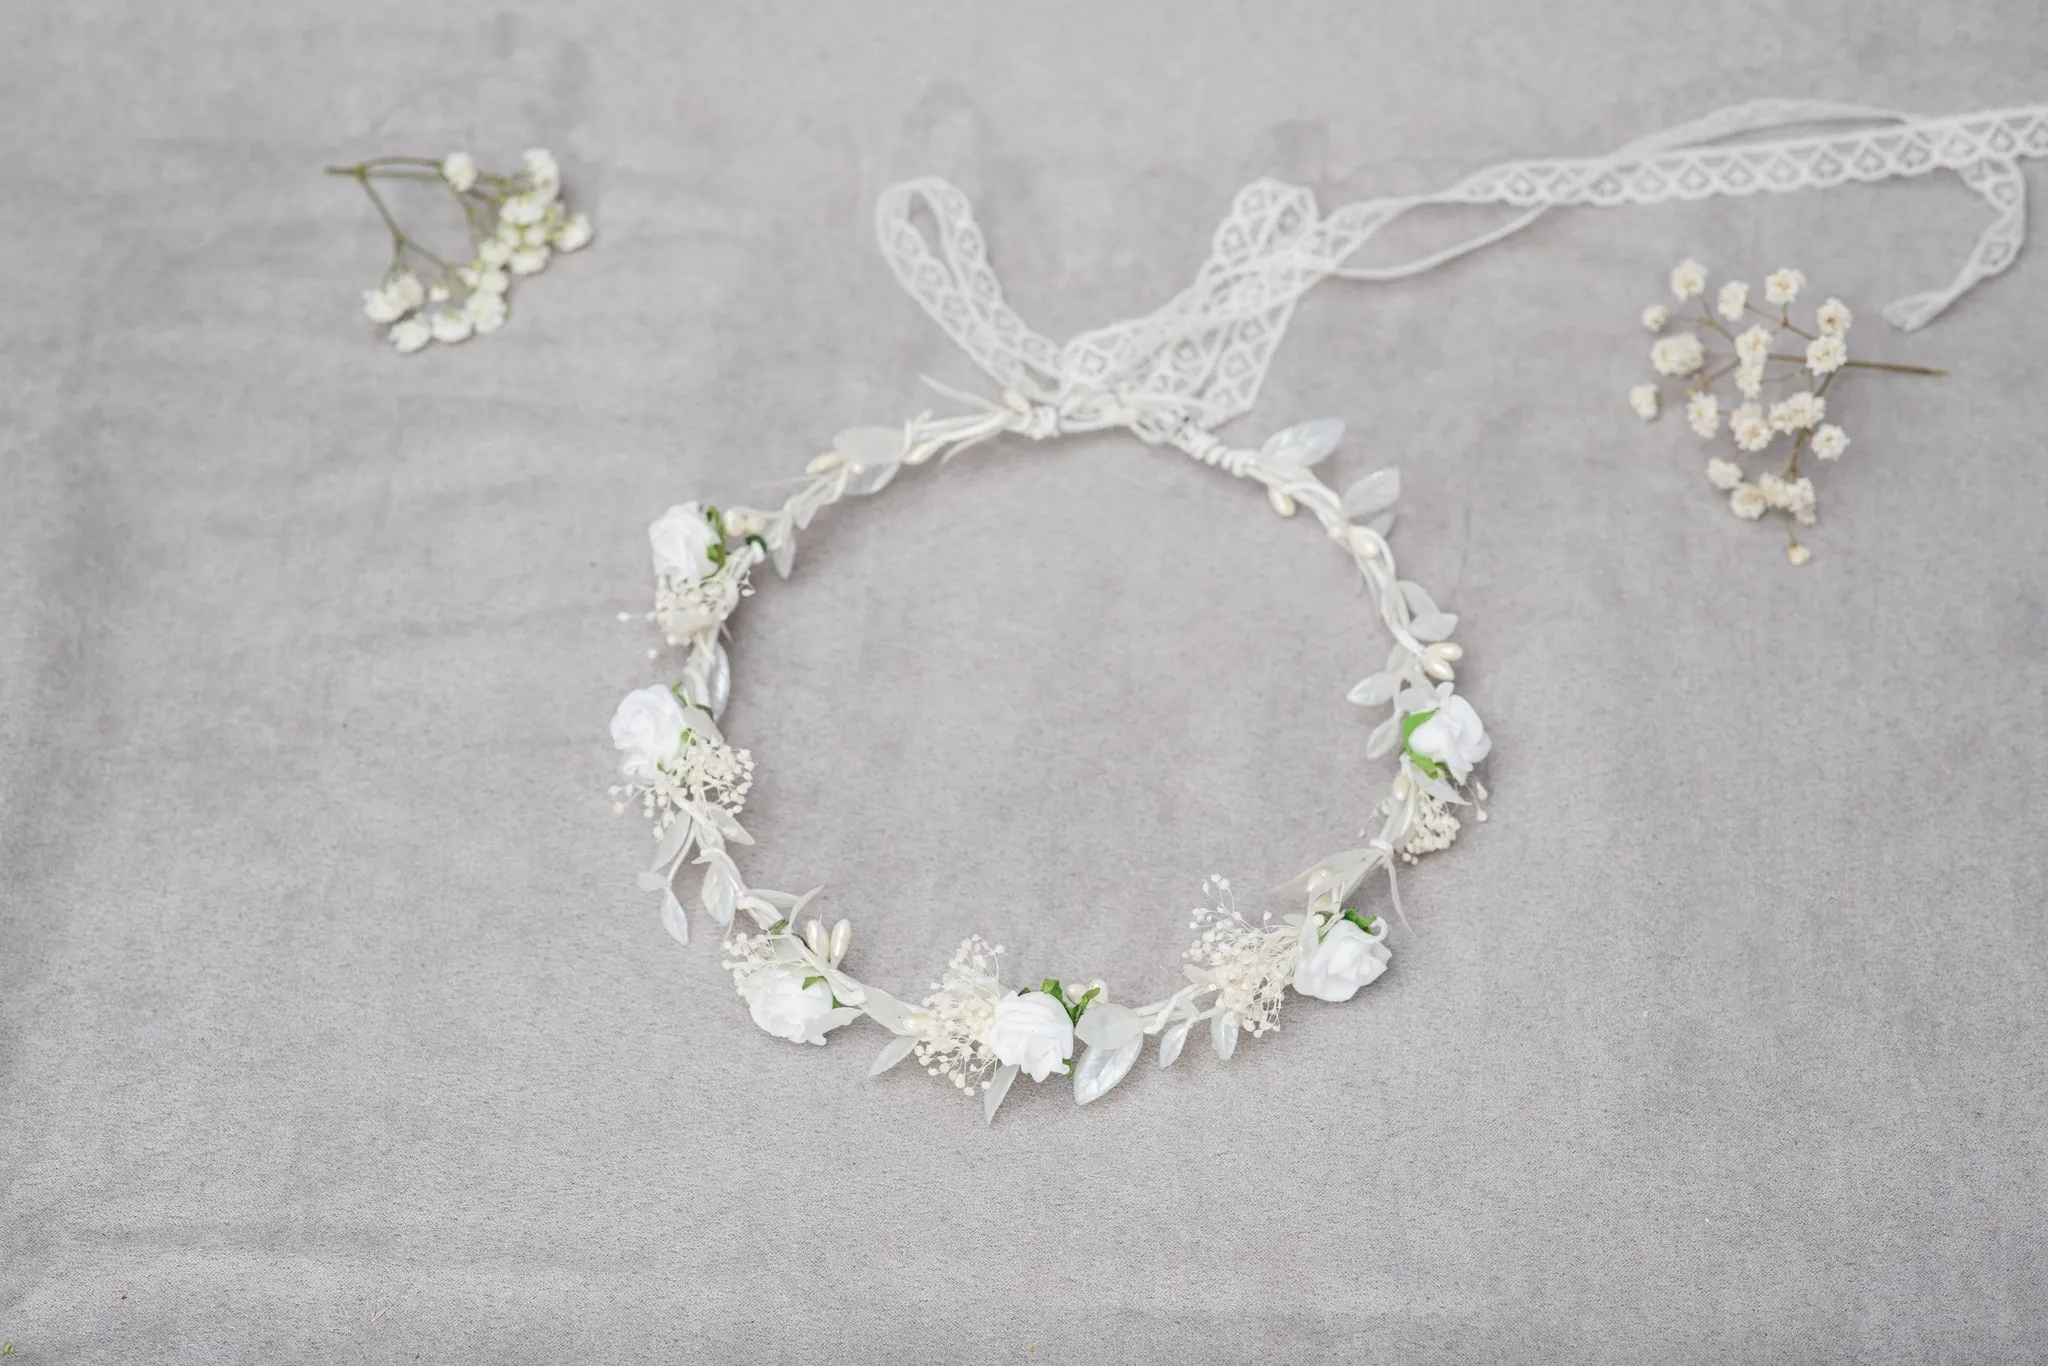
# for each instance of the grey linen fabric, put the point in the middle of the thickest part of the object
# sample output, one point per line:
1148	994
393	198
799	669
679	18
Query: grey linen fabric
332	1027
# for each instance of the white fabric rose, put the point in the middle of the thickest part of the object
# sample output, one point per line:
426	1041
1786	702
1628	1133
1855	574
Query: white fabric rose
781	1004
1453	736
1032	1031
648	729
682	539
1346	960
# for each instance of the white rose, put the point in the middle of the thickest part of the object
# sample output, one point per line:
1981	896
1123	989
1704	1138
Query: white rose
781	1004
648	729
1453	736
1346	960
682	539
1032	1031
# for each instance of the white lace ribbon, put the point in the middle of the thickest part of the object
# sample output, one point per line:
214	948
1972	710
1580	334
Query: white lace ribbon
1199	361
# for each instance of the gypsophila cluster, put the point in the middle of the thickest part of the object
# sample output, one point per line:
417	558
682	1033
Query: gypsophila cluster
1250	963
958	1015
515	223
686	608
700	773
1434	828
1767	351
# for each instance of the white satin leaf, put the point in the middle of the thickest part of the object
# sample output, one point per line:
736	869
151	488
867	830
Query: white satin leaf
998	1087
672	918
673	845
1383	737
893	1052
1108	1025
868	479
1102	1068
1223	1034
1376	492
1304	445
718	894
1171	1042
1420	603
1374	691
870	445
1434	626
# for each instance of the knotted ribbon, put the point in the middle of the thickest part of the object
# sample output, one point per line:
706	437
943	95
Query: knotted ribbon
1175	375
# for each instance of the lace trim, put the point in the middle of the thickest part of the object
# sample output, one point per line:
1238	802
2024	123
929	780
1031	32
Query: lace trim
1200	360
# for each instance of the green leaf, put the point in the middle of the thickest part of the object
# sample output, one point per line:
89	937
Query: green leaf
1360	921
809	980
778	927
1074	1010
1051	987
1409	724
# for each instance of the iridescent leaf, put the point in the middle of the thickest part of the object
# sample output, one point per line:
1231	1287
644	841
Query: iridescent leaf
1171	1041
870	445
893	1052
865	479
1223	1033
1102	1068
717	893
1304	445
1108	1025
1433	626
1374	691
1374	493
672	918
1420	603
998	1087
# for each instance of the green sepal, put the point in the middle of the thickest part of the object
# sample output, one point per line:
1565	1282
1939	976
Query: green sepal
1360	921
1409	724
1074	1010
807	984
1051	987
778	927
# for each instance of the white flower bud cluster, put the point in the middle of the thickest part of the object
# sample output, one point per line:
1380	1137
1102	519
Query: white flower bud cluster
1815	358
1250	963
961	1008
516	223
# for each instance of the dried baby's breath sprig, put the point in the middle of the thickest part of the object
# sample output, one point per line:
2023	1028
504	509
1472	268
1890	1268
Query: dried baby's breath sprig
962	1006
515	223
1755	422
1249	963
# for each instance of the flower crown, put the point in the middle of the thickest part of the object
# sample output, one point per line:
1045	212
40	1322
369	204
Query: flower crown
971	1029
1170	379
